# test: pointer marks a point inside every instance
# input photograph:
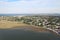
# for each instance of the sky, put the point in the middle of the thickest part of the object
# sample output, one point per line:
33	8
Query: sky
30	6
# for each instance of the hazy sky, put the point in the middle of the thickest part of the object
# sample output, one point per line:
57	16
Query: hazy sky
29	6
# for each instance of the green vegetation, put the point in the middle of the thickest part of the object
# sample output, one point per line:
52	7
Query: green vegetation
40	21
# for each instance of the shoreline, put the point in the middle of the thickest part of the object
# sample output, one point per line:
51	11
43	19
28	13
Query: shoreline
4	24
33	28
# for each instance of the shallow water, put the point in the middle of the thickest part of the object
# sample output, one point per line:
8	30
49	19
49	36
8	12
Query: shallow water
20	34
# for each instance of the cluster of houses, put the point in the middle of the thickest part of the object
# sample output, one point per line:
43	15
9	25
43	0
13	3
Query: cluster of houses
52	22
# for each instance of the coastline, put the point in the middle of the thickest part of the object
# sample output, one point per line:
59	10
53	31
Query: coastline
11	25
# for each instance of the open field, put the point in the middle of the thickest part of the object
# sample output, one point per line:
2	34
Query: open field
13	24
10	24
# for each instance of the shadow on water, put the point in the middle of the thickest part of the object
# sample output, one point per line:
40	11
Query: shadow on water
20	34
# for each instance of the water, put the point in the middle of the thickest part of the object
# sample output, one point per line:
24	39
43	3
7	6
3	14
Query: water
20	34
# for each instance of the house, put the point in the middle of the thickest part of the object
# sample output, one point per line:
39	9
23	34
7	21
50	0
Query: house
57	29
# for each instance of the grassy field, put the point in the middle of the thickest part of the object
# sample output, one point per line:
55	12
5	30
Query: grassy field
10	24
4	24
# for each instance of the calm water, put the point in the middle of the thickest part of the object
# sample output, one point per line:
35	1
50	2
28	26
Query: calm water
20	34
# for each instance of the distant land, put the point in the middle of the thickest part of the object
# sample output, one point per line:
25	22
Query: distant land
52	14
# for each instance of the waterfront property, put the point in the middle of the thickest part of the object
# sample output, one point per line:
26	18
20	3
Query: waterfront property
58	30
51	22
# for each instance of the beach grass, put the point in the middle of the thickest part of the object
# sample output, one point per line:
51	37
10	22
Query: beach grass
4	24
11	24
